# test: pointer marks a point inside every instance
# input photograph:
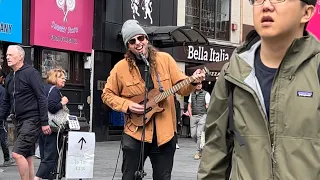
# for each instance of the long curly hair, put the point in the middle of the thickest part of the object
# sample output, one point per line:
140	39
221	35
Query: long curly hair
152	52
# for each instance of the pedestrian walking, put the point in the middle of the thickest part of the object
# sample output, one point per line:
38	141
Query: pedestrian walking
4	127
263	120
25	97
197	107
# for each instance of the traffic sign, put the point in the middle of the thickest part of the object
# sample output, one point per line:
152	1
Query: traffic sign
80	155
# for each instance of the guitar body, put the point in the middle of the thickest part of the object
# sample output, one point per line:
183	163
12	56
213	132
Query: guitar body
152	107
154	97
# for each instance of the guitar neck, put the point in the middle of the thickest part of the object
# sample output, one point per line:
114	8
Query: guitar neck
173	89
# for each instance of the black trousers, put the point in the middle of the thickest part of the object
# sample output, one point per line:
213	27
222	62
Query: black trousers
161	157
4	142
49	155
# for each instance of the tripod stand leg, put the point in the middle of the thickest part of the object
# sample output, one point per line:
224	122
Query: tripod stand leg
60	159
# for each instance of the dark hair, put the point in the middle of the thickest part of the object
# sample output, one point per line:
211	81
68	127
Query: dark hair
309	2
2	73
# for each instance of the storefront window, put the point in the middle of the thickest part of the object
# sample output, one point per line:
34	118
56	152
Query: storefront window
211	17
54	59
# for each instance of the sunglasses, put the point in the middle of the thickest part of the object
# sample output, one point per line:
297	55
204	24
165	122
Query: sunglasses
133	40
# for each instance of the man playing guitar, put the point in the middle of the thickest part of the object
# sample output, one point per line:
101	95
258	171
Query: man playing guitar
124	92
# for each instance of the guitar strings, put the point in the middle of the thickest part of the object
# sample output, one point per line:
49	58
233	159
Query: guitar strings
166	93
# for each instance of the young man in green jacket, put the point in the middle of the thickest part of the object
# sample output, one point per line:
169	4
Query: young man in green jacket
271	85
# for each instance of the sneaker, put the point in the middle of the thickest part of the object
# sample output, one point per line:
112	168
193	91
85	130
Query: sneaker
8	163
177	146
197	156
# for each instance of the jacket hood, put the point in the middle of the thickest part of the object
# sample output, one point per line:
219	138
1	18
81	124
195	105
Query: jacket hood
25	66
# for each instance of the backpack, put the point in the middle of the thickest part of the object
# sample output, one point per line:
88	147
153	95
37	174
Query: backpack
231	130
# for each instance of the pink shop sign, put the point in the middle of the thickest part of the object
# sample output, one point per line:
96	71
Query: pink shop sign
314	24
62	24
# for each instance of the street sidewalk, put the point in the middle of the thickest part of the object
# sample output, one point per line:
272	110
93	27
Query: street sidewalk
106	153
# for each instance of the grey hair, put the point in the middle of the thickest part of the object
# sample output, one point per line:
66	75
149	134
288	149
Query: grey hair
20	50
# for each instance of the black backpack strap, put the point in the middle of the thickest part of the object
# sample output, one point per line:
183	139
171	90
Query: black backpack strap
231	127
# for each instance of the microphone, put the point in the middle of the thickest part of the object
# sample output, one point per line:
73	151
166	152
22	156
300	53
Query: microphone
143	57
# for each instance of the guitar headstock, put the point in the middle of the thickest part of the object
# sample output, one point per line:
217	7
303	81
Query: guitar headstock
206	70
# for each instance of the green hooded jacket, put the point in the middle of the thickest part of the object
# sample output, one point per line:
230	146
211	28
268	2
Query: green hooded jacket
285	147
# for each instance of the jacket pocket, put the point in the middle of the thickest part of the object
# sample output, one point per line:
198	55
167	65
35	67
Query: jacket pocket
131	88
164	80
164	77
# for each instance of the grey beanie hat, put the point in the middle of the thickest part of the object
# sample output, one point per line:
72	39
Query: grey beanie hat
130	29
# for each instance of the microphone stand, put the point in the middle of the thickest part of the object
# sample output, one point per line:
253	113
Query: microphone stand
140	173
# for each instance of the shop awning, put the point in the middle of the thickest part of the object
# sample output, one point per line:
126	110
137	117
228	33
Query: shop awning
172	36
212	66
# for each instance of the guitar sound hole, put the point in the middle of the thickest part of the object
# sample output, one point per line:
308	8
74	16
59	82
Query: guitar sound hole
142	103
147	110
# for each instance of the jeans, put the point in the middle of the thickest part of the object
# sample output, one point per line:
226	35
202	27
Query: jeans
161	158
49	155
197	123
4	142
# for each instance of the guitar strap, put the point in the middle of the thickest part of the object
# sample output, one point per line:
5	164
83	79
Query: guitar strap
158	79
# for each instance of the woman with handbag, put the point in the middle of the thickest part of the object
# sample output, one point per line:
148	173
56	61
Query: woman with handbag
56	79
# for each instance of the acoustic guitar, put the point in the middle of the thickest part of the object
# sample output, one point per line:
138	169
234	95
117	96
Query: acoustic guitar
154	97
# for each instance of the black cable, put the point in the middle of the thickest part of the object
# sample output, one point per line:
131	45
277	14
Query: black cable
115	170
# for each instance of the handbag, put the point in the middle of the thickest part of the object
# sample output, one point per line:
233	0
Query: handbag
59	119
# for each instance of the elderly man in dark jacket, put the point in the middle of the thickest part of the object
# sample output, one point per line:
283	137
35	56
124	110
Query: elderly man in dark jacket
25	99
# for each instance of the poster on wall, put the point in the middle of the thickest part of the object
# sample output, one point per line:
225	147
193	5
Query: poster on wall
313	25
11	21
62	24
144	11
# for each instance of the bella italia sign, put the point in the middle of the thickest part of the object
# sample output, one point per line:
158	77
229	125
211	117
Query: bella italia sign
202	54
205	53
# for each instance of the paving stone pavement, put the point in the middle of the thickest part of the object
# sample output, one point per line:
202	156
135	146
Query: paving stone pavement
185	168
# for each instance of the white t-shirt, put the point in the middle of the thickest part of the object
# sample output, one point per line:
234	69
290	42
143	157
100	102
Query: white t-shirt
207	98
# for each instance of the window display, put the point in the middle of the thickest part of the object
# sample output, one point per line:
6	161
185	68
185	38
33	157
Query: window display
54	59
